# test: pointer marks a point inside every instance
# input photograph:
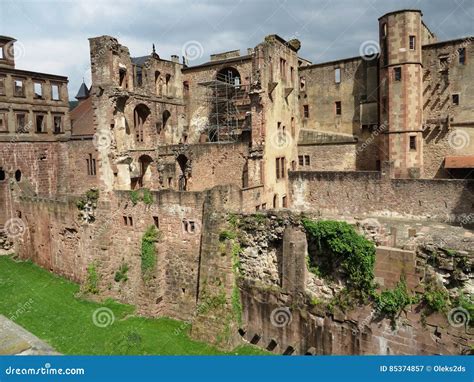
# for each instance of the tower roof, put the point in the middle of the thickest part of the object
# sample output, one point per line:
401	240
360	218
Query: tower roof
83	92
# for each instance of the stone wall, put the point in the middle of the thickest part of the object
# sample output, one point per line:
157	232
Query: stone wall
369	193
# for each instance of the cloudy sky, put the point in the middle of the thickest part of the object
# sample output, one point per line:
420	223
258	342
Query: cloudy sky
53	34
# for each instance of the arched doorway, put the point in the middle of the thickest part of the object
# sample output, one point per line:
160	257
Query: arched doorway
140	116
229	75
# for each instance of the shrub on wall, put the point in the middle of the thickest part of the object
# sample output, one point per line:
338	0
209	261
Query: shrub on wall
122	273
391	302
92	281
148	251
341	247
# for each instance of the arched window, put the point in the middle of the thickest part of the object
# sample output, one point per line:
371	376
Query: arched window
145	170
275	201
229	75
17	175
183	177
166	116
140	116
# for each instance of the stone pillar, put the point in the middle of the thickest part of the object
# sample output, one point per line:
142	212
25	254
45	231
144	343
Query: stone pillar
295	248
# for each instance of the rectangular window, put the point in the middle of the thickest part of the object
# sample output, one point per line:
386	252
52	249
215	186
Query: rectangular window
306	111
38	89
301	160
57	124
2	85
292	75
277	167
280	167
125	220
40	123
307	161
284	202
413	143
55	92
397	73
3	122
19	89
156	221
337	75
412	42
21	123
338	108
462	56
91	169
283	68
455	99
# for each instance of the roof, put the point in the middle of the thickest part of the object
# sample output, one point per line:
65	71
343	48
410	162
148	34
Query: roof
460	161
400	11
83	92
220	62
82	121
140	61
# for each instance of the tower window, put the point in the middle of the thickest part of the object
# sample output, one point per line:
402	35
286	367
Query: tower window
397	73
455	98
306	111
337	75
413	143
338	107
412	42
462	56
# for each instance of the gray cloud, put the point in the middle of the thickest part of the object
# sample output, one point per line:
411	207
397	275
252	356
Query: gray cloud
53	34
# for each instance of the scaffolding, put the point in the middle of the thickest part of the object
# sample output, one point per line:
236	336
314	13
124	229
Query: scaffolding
228	105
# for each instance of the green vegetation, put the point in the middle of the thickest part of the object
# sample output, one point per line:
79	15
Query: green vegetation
435	298
465	301
91	285
341	247
227	235
144	195
91	196
391	302
148	254
65	322
121	274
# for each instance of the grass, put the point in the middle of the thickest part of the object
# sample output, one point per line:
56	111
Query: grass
45	305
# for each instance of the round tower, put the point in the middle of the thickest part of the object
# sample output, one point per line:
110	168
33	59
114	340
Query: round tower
401	93
7	52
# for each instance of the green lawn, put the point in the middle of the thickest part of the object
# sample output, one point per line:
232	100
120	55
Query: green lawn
45	305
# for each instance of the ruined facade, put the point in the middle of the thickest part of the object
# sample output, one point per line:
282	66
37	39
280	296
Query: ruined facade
173	146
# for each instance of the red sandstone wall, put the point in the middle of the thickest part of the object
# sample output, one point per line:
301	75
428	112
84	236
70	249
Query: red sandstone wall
368	193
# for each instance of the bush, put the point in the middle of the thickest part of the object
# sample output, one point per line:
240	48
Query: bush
147	196
122	273
227	235
341	247
134	197
92	281
148	253
435	298
391	302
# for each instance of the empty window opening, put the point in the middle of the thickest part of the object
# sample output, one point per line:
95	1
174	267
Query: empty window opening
19	89
185	225
413	143
397	73
125	220
2	85
186	88
302	83
284	202
455	98
275	201
191	226
156	221
58	124
2	174
55	92
337	75
170	182
301	160
140	116
280	165
91	167
283	69
138	76
165	118
122	77
245	175
338	107
384	30
40	128
272	345
17	175
130	221
241	332
21	123
462	56
307	160
255	339
38	88
412	42
306	111
289	350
